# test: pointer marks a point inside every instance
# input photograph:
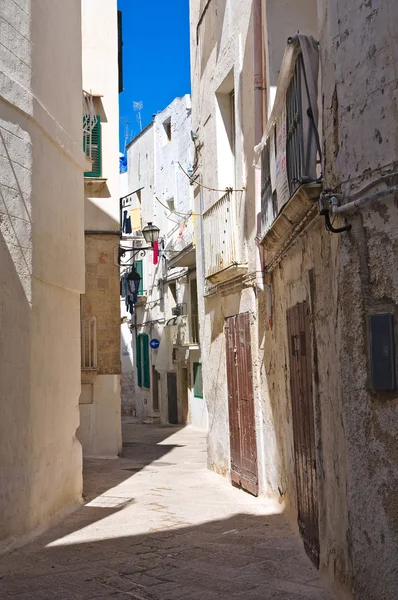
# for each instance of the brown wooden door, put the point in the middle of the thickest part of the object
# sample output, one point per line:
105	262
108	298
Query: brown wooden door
242	426
303	427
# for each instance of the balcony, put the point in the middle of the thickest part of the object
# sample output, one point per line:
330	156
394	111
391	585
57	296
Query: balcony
221	250
290	152
188	331
180	246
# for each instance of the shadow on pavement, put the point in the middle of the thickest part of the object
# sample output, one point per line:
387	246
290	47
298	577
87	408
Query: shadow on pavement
142	445
245	556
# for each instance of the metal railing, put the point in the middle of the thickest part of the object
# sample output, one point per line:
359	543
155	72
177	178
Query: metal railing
219	235
292	153
89	351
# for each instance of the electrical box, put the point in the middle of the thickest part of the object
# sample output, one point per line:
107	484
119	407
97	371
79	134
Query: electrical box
382	351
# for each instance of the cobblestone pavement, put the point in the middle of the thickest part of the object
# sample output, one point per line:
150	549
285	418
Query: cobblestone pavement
158	526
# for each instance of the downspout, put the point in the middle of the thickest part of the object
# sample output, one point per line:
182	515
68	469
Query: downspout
258	130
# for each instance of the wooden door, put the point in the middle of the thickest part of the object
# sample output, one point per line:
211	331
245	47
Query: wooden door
184	395
172	398
298	323
241	403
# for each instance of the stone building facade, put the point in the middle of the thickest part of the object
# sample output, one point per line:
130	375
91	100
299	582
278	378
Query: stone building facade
100	401
166	310
312	149
41	263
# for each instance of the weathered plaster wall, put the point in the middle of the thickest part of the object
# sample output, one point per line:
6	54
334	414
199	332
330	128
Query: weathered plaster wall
283	19
309	272
345	278
221	62
359	57
41	263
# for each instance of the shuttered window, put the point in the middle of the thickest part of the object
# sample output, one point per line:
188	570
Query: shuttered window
139	268
92	148
197	380
143	366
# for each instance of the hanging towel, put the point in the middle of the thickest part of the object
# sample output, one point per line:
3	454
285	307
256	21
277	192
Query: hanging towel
155	252
126	222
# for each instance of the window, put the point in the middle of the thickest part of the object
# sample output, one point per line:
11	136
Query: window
138	265
194	324
197	380
167	128
92	148
173	292
143	374
226	132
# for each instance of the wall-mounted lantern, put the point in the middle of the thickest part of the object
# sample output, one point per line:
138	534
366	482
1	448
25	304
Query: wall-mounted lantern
151	233
151	236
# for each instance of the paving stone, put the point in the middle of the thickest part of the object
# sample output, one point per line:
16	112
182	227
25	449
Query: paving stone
173	531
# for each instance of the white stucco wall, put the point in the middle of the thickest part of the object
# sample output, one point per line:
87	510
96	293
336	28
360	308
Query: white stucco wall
41	263
222	62
153	166
100	76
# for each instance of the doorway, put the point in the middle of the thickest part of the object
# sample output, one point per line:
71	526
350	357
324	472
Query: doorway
172	398
242	428
155	389
184	396
298	325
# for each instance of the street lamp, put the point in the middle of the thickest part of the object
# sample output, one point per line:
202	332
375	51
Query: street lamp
151	233
151	236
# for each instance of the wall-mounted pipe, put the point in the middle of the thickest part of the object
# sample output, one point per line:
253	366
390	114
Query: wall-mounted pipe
335	209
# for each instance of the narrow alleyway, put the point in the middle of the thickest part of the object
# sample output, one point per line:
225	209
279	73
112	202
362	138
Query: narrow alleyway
158	526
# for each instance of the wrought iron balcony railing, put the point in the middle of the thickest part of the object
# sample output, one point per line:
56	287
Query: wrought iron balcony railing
291	156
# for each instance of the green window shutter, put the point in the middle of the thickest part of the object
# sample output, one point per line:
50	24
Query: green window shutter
139	360
92	147
139	268
197	379
145	361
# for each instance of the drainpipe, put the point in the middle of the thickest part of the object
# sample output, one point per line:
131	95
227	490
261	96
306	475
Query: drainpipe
258	129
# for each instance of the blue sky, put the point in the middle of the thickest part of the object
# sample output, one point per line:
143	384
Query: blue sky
155	58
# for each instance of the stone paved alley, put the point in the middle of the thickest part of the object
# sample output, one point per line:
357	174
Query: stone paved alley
157	525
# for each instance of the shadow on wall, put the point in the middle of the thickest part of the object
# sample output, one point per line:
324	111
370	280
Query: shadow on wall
16	438
210	27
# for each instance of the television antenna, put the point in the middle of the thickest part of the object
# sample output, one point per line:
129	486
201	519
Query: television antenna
138	106
127	135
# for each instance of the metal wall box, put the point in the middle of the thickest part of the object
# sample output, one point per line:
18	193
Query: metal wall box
382	351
